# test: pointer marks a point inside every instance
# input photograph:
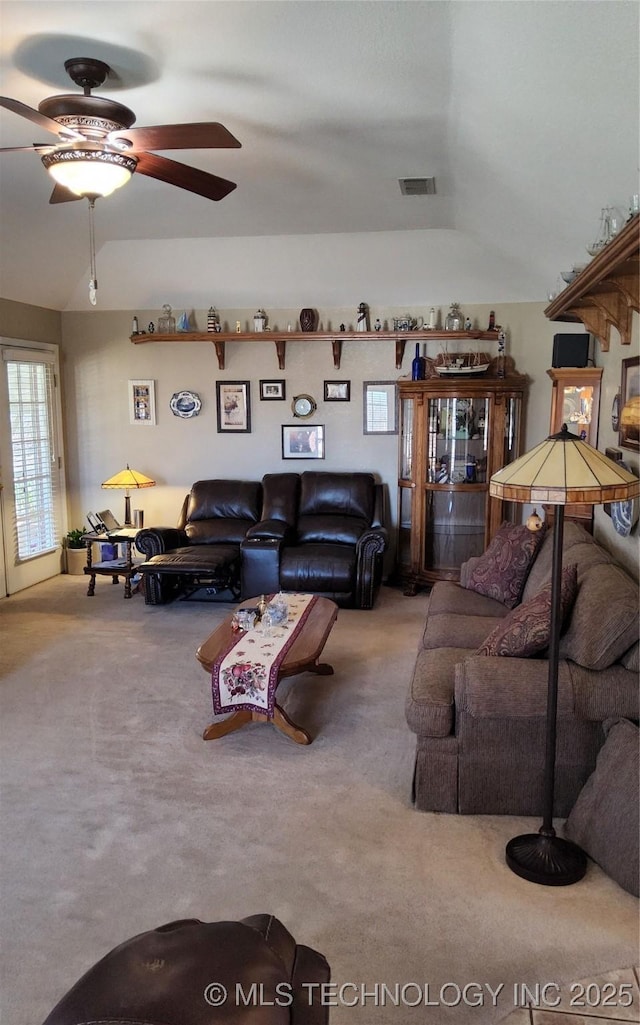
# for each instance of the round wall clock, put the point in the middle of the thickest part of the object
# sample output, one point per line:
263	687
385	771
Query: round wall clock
185	404
303	406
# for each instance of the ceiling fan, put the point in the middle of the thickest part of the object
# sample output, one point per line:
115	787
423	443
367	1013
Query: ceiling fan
97	149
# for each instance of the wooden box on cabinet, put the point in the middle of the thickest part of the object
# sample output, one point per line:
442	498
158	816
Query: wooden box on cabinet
575	401
455	433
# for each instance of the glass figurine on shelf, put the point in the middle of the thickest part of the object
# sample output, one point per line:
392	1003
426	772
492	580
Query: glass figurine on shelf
183	322
454	320
166	321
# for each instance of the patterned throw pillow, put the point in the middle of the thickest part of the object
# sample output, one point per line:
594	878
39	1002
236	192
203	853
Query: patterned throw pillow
501	572
525	631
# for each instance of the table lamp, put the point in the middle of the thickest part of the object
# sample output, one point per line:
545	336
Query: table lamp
561	470
128	479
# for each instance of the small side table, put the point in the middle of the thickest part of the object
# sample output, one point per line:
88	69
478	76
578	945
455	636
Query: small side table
114	568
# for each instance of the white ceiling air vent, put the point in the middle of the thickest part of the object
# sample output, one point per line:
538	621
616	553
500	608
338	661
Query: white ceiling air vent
417	186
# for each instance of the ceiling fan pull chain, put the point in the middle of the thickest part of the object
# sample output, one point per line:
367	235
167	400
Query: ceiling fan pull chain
93	279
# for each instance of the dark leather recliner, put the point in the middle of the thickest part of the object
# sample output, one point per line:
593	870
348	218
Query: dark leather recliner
320	532
204	549
196	973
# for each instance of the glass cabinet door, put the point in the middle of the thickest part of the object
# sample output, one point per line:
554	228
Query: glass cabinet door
454	528
458	430
406	439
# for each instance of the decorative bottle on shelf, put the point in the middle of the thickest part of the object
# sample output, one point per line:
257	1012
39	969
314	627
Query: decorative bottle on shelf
454	321
492	321
166	321
416	365
134	326
432	318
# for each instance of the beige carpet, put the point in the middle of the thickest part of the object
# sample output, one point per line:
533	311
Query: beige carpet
117	817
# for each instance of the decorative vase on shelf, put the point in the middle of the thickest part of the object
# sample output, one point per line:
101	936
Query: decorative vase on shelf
417	366
454	320
308	319
166	321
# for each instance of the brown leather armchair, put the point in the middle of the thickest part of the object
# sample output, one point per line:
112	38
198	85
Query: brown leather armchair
194	973
320	532
203	551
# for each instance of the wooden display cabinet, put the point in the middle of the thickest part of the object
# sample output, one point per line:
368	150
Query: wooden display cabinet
575	401
455	433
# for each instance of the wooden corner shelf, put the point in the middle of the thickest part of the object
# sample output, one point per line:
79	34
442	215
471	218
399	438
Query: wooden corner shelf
607	291
280	339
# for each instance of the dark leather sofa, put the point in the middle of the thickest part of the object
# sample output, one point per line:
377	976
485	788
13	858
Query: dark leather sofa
321	533
196	973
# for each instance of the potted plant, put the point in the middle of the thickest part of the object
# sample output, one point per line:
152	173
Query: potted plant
76	552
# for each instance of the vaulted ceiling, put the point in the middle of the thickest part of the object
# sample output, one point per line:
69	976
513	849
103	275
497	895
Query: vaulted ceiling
526	114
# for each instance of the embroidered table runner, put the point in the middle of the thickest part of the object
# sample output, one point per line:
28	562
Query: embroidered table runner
245	675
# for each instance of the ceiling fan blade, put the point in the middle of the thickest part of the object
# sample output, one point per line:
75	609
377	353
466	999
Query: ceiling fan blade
37	147
185	177
62	195
38	119
199	135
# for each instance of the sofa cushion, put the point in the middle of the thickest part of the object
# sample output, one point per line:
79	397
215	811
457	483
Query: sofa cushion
194	559
577	546
604	621
525	631
224	499
447	628
329	494
448	597
429	705
502	570
344	530
604	819
631	658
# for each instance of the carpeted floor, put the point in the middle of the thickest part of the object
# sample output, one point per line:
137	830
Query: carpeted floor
117	817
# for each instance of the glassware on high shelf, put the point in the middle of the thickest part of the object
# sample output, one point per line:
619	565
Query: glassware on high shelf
605	231
166	321
454	320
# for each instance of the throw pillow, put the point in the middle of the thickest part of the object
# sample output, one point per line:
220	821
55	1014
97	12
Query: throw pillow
526	630
501	572
604	819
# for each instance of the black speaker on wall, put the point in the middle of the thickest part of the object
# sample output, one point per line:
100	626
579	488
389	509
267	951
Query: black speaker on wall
570	350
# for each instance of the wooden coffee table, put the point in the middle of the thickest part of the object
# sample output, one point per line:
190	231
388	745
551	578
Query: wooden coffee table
301	657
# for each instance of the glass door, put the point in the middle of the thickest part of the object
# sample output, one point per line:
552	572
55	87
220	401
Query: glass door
31	460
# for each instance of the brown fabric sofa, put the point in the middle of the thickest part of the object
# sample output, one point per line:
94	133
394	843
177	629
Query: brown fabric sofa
196	973
321	533
480	720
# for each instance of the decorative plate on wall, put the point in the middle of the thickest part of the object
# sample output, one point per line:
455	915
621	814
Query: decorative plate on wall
185	404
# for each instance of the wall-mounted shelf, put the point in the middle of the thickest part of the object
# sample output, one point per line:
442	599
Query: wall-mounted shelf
606	292
280	340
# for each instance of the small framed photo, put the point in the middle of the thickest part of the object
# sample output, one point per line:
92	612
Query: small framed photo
234	407
629	424
380	407
142	402
337	391
302	442
273	391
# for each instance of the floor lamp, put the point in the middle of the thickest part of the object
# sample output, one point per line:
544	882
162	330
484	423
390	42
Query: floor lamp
126	480
560	470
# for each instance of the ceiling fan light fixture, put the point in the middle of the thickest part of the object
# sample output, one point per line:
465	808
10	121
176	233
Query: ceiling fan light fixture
90	172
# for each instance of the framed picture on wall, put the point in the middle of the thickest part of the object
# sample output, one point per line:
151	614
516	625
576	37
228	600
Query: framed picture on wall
629	424
337	391
302	442
273	391
234	407
142	402
380	407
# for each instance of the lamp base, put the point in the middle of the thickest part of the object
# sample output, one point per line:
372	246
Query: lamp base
548	860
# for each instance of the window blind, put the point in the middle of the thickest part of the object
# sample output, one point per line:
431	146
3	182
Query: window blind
30	381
